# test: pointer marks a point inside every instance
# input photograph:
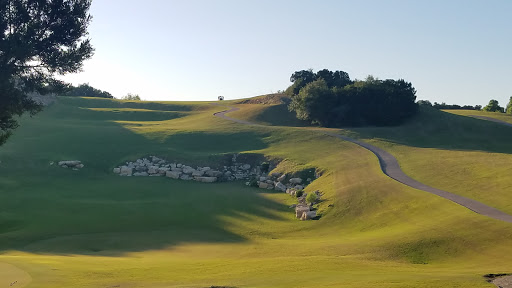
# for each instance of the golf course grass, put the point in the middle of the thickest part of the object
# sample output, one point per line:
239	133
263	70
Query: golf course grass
496	115
92	228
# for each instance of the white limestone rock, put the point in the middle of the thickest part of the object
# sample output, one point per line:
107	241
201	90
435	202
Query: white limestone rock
280	187
153	169
213	173
185	177
263	185
126	171
162	170
188	169
197	173
308	215
173	174
300	209
69	163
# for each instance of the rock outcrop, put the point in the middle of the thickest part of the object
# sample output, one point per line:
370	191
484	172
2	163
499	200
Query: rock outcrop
155	166
72	164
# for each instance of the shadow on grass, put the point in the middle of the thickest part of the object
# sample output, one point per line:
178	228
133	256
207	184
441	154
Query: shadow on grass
216	143
113	103
432	128
48	209
123	214
279	115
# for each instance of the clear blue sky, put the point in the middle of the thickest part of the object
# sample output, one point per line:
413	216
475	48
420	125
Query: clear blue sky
452	51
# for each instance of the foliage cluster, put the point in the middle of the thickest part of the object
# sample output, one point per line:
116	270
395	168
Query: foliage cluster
449	106
331	99
38	40
494	106
311	198
132	97
85	90
509	106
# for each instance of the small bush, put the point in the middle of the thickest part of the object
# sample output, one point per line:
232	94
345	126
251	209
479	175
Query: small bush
311	198
130	96
299	193
253	182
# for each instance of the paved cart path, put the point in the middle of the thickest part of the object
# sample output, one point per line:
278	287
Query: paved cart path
389	165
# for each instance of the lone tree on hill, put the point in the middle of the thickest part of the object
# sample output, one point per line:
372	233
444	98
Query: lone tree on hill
494	106
38	40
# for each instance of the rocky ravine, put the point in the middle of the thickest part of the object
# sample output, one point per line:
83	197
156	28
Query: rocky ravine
258	177
390	167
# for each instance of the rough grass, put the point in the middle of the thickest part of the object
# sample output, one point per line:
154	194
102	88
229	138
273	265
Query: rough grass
90	228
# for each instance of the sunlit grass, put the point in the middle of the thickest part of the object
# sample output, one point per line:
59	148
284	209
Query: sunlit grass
91	228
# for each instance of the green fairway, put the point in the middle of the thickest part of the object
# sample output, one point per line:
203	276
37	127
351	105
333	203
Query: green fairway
92	228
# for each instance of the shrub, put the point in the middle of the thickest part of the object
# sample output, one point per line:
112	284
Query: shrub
311	198
299	193
130	96
253	182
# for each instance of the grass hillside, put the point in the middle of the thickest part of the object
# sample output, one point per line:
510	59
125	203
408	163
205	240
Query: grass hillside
92	228
496	115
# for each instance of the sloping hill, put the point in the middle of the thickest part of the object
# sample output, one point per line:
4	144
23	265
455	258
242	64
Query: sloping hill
483	115
156	232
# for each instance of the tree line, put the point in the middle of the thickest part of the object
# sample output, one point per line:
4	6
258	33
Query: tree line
493	106
449	106
85	90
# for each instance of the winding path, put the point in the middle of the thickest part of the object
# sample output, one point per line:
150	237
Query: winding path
491	119
390	167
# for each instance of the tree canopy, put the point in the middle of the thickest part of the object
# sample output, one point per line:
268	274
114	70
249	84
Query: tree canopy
87	91
494	106
38	40
449	106
331	99
302	78
509	106
132	97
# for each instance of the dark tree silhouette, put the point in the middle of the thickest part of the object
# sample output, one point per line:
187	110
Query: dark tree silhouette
85	90
38	40
333	100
